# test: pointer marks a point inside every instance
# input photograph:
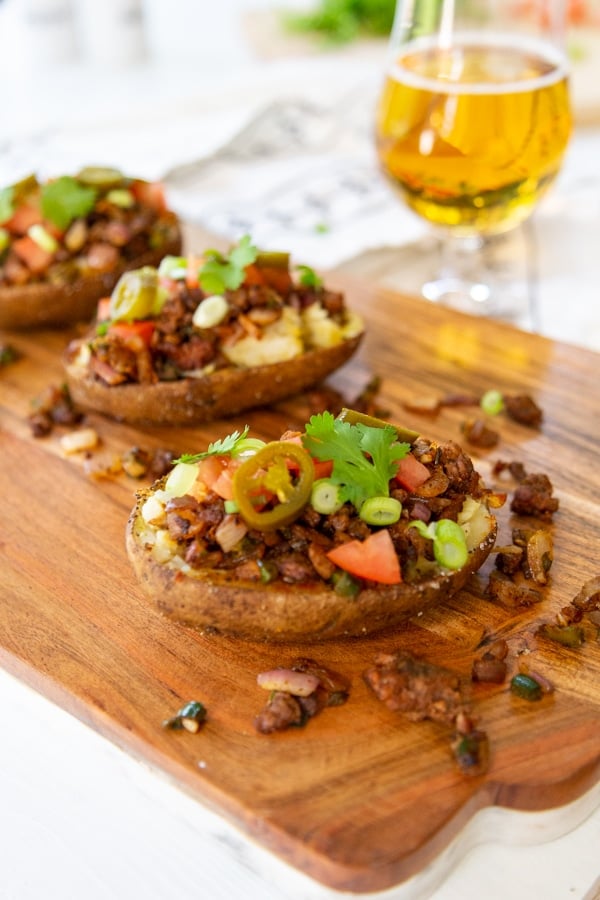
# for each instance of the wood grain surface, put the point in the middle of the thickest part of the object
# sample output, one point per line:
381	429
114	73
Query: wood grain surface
359	799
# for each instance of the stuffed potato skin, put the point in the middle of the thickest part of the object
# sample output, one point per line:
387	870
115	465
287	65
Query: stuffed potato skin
193	401
65	242
188	355
214	602
42	305
242	538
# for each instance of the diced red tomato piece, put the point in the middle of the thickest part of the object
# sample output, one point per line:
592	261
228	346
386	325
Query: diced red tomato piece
217	474
103	310
374	558
223	486
279	279
35	257
253	275
23	218
323	468
193	268
210	468
142	328
150	193
411	473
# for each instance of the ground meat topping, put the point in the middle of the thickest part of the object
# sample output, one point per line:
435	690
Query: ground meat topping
533	497
416	688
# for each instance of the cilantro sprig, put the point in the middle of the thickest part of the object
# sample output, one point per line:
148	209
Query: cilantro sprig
222	447
363	456
66	199
220	273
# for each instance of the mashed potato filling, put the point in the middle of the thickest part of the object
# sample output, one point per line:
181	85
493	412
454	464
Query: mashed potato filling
292	335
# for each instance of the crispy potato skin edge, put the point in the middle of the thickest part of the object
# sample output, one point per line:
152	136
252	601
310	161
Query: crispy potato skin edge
39	305
214	602
193	401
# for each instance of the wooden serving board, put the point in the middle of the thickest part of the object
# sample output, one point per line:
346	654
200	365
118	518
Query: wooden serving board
359	799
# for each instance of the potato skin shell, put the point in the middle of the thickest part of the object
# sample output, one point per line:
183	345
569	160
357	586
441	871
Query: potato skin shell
213	601
40	305
192	401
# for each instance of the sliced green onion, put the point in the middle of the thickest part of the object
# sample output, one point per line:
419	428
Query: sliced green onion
231	507
211	311
492	403
173	267
345	585
380	510
268	571
247	446
567	635
450	544
181	479
121	197
190	717
4	239
325	497
449	541
43	238
526	687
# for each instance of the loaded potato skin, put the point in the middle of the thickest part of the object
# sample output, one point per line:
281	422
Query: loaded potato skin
245	540
65	242
200	338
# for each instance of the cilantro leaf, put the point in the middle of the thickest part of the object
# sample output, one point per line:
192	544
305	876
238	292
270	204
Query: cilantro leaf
221	447
220	273
66	199
363	456
7	207
243	253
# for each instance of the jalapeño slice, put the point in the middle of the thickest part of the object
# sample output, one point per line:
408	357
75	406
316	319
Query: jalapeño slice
273	486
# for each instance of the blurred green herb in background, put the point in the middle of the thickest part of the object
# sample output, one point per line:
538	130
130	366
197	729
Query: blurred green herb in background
341	21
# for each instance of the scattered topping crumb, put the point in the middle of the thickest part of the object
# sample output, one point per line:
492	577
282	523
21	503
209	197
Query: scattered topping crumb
298	692
8	354
53	407
420	690
79	441
190	717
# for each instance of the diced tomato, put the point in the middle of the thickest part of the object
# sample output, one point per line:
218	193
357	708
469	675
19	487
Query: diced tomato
23	218
193	268
411	473
323	468
217	474
35	257
374	558
210	468
103	310
279	279
276	277
142	328
253	275
150	193
223	486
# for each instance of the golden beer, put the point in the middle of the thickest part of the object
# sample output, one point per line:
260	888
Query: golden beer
473	135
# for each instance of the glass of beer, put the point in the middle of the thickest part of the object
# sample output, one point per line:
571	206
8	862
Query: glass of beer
471	127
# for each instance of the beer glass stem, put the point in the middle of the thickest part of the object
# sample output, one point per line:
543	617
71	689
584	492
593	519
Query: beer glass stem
483	275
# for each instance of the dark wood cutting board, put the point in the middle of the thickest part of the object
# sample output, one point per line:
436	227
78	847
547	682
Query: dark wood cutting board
359	799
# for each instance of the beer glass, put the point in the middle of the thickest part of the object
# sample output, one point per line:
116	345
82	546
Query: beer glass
472	124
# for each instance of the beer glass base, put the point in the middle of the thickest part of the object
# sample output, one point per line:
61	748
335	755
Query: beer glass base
484	276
